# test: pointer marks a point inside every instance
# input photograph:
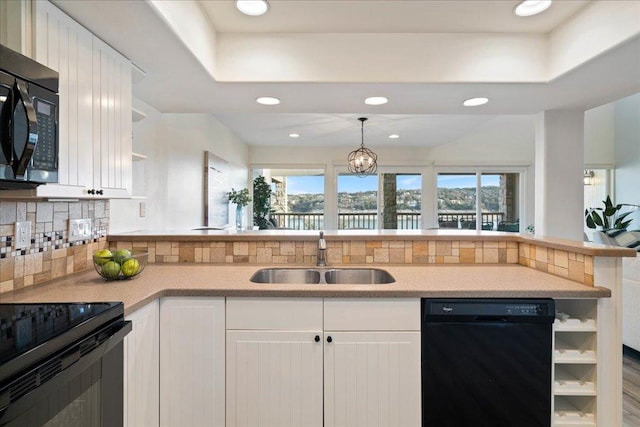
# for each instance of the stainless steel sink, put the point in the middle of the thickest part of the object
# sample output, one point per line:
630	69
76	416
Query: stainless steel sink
286	275
333	276
358	276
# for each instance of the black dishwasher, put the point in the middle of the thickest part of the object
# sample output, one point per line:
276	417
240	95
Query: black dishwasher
487	362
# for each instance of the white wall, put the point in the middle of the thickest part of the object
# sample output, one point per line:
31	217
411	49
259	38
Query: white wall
627	190
593	31
599	137
627	151
172	176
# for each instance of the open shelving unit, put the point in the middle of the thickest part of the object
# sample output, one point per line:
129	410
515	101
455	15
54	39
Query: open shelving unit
575	363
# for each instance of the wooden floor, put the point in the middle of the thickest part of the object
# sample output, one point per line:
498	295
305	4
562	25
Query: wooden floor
631	389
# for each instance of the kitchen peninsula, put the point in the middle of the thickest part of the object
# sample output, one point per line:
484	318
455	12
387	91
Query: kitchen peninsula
202	277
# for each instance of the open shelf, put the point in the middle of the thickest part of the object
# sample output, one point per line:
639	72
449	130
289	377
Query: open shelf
574	412
572	349
575	380
575	316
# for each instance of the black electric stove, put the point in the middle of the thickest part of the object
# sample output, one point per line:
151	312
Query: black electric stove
39	343
31	332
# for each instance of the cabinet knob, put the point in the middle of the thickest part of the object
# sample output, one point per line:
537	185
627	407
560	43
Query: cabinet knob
329	339
317	338
91	191
100	192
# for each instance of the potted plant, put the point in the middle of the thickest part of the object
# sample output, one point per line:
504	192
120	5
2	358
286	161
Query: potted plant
608	217
261	202
241	199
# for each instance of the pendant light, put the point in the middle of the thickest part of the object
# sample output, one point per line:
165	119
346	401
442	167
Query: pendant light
362	161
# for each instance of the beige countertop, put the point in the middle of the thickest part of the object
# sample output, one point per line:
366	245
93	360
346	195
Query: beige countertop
472	281
586	248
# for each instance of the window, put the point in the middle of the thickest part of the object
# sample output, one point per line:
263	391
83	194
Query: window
498	193
457	200
389	200
357	202
297	200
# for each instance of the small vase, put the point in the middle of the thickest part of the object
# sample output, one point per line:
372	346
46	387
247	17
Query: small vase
239	217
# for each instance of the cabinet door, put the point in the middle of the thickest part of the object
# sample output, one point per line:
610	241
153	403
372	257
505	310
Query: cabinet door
192	364
372	378
112	121
65	46
142	368
274	378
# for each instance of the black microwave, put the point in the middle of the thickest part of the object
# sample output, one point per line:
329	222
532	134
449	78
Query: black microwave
28	122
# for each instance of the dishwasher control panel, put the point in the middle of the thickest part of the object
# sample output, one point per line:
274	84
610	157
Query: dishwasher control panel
488	308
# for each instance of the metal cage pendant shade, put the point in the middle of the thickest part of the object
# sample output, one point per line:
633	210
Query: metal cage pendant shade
362	161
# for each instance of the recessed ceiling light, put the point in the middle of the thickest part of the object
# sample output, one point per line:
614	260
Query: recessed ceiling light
394	136
268	100
532	7
376	100
293	135
252	7
474	102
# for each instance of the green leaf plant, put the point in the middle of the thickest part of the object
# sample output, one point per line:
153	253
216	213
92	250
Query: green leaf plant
261	202
241	197
608	217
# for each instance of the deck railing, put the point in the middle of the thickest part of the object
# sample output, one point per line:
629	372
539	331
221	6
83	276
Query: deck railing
346	221
467	220
369	220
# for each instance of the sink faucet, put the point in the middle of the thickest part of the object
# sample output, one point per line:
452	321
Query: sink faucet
322	251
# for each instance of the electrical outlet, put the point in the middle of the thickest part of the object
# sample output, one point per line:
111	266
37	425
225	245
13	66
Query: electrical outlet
23	234
143	210
79	229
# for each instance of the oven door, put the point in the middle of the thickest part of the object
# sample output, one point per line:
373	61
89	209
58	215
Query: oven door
86	391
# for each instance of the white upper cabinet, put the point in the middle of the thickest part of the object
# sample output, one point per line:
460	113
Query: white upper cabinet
95	107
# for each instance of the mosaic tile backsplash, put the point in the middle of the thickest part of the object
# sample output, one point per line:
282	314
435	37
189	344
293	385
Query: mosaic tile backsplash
50	254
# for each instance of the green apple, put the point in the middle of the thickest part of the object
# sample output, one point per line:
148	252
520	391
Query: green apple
130	267
111	270
102	256
121	255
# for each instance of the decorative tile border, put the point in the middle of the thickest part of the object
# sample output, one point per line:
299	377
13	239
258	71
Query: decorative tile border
570	265
339	252
50	254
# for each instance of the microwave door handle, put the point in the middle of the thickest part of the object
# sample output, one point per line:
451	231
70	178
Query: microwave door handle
22	161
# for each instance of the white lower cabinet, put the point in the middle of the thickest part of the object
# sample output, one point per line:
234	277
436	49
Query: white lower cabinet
372	379
281	356
274	378
141	368
192	361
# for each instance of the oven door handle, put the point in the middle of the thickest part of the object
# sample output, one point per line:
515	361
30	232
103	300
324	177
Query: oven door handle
118	335
22	160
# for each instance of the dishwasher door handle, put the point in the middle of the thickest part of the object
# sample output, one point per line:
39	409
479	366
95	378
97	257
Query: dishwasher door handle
492	319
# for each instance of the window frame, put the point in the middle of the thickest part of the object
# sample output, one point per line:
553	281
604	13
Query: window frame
407	170
479	171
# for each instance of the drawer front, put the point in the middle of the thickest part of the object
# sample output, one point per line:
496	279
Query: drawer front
372	314
288	314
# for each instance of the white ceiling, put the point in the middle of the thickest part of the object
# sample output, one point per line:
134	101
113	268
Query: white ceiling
424	114
396	16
